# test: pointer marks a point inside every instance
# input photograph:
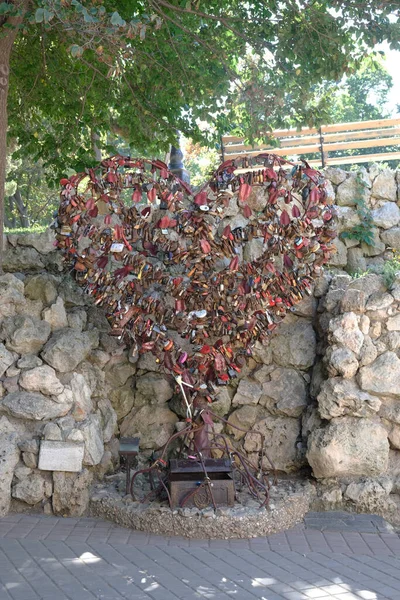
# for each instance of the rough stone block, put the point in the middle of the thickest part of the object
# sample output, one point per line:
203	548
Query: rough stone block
61	456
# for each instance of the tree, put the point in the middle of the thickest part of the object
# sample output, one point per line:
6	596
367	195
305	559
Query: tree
149	67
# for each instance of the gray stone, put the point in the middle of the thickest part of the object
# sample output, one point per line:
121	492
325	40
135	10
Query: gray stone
93	436
253	249
353	301
29	361
71	493
344	331
28	405
379	301
356	262
294	344
24	334
350	190
11	295
336	176
285	393
154	387
56	315
248	392
376	247
391	237
242	419
123	400
108	419
77	319
222	403
52	432
61	456
82	397
393	324
29	445
341	361
280	441
71	293
382	377
306	307
370	496
66	349
348	446
6	359
31	489
42	242
339	258
42	287
75	436
154	427
342	397
384	186
262	353
22	259
370	284
121	372
321	284
368	352
41	379
387	216
30	459
9	457
347	218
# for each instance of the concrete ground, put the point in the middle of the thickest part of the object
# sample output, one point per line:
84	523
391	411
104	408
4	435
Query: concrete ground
331	556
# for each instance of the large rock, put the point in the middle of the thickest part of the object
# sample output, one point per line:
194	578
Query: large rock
387	216
11	295
248	392
339	259
93	438
336	176
376	246
370	496
242	419
82	396
66	349
28	405
370	284
108	419
9	457
341	397
384	186
222	403
22	259
341	361
294	345
123	400
280	441
348	446
42	242
24	334
350	191
393	324
155	388
56	315
42	287
285	393
345	331
382	377
41	379
391	237
356	262
6	359
153	425
347	218
71	493
32	489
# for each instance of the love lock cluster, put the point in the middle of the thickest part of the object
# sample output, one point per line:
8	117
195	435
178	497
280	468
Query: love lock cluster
173	269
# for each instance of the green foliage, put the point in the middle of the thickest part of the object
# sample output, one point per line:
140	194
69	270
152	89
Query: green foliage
391	268
364	231
143	69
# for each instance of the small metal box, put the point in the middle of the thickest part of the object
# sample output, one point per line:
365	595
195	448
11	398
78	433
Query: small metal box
187	476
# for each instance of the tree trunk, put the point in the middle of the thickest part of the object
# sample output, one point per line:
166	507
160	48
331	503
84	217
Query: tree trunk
10	222
7	38
23	216
96	150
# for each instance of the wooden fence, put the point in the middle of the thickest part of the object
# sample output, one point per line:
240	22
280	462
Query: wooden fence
326	139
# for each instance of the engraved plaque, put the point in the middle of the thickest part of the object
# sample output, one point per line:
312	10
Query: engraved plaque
61	456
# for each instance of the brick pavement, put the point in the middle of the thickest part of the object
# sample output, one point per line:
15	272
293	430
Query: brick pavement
331	556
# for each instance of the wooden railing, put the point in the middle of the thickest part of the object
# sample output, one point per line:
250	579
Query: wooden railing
326	139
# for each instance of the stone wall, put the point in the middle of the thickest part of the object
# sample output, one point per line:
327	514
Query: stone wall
324	391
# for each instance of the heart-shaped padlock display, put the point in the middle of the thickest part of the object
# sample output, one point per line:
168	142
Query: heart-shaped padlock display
196	279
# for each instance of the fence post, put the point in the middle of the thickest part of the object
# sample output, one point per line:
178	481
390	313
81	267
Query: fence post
324	155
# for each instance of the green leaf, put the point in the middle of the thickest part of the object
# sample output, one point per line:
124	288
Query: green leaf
39	15
117	20
5	8
76	51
